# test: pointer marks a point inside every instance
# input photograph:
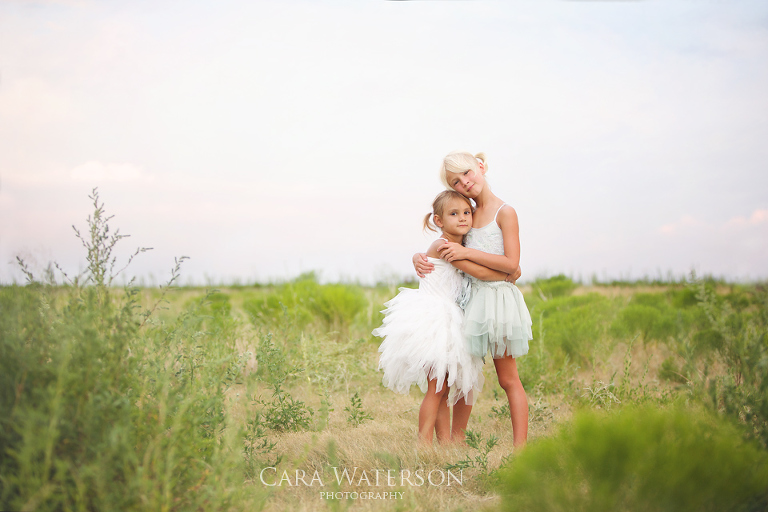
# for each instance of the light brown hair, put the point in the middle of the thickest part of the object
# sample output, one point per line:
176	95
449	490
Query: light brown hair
439	204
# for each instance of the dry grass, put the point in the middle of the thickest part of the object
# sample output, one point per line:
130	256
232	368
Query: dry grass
389	442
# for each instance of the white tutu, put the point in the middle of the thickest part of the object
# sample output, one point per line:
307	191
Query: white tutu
423	338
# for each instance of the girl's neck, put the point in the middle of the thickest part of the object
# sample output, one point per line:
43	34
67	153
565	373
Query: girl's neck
486	198
453	238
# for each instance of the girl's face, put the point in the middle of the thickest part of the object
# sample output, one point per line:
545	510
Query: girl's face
456	218
468	183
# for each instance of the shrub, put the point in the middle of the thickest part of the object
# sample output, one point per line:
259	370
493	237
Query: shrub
662	317
672	372
683	298
639	460
339	304
303	300
649	315
573	327
555	286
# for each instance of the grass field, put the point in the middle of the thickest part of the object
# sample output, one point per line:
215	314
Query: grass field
642	396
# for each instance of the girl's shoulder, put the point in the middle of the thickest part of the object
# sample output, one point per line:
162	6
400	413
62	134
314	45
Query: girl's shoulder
506	215
432	250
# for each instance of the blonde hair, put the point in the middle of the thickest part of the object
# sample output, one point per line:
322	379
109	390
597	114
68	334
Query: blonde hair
458	162
439	204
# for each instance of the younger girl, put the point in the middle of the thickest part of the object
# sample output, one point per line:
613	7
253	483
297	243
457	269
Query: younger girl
497	320
422	329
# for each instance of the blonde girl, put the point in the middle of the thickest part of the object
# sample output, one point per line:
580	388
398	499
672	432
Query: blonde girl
422	328
497	321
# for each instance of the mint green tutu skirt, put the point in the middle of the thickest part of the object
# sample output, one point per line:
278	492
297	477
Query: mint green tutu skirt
496	320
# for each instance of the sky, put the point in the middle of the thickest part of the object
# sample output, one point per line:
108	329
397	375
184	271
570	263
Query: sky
264	139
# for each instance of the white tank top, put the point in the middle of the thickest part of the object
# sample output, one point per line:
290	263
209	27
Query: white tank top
487	238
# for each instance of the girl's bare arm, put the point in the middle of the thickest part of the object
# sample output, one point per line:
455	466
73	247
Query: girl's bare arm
422	265
479	271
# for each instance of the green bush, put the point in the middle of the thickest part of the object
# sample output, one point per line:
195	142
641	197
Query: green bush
639	460
302	301
662	317
649	322
671	371
555	286
573	327
339	304
683	298
648	315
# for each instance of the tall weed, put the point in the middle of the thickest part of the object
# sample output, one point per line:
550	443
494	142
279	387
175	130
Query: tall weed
474	440
740	337
281	412
357	414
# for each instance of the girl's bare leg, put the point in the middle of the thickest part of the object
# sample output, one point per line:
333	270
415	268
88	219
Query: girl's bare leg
509	380
461	412
428	411
443	422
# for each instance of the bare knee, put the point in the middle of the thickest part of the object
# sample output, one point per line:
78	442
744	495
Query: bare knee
506	371
509	382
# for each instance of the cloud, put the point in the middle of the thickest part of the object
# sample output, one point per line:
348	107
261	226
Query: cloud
95	171
688	224
734	247
685	222
758	217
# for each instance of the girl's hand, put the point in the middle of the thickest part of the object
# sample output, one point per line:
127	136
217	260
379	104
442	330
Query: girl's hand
451	251
422	265
514	276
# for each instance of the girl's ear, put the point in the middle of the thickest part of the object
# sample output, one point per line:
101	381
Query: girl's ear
438	222
482	167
